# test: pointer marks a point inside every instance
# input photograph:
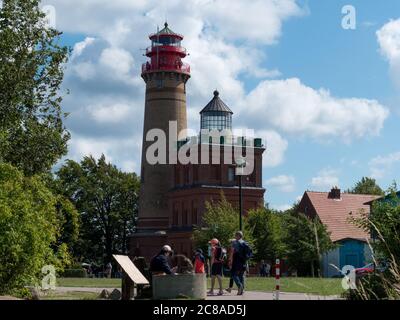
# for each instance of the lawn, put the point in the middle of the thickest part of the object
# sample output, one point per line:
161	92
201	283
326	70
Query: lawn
319	286
73	295
89	282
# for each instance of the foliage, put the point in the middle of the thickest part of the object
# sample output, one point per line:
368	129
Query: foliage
32	135
384	225
74	273
367	186
221	221
106	199
306	239
29	227
268	232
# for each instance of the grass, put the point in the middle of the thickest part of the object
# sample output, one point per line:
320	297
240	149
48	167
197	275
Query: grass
89	282
73	295
318	286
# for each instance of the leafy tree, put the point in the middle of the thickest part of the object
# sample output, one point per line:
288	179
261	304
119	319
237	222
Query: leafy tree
384	224
367	186
106	199
32	135
221	221
268	231
29	229
306	239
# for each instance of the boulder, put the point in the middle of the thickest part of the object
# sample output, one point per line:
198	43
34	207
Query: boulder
115	295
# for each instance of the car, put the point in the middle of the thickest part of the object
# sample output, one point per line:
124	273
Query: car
371	268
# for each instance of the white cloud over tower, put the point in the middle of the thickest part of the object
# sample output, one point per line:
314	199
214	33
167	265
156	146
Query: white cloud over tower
226	40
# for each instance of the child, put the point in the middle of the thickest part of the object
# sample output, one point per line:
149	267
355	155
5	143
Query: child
199	261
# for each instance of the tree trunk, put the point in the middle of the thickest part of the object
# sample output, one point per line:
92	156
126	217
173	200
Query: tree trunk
312	269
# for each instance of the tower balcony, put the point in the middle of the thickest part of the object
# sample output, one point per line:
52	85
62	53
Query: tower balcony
152	50
149	67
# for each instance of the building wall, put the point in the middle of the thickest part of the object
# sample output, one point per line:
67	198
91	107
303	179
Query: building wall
349	252
331	263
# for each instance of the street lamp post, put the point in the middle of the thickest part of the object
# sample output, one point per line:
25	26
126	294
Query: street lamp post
240	204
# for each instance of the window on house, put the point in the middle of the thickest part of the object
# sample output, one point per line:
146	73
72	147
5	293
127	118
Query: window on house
231	174
160	83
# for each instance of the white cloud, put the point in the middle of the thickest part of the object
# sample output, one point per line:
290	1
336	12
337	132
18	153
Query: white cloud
276	147
325	180
226	41
292	107
283	183
381	166
281	207
117	60
389	42
110	113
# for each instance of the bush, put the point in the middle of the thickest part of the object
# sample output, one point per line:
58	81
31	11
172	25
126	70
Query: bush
74	273
28	229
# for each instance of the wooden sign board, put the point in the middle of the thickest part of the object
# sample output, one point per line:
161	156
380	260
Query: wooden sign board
130	269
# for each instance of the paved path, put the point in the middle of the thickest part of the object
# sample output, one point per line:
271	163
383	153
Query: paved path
254	295
83	289
249	295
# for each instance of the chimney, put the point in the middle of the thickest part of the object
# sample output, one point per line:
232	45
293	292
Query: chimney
334	194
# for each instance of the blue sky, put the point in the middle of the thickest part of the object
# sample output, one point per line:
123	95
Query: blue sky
236	53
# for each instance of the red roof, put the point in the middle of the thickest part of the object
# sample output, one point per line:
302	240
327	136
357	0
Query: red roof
334	213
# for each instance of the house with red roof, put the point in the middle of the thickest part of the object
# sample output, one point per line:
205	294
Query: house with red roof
334	209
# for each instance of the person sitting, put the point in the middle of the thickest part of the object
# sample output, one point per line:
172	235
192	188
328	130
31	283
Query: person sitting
159	264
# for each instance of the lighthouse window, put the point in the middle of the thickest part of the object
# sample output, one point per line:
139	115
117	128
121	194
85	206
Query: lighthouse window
160	83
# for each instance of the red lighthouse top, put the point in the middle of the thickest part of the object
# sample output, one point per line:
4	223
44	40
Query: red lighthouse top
166	53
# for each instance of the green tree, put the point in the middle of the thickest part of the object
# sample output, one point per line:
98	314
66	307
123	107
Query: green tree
268	232
29	230
306	239
221	221
367	186
106	199
32	135
384	225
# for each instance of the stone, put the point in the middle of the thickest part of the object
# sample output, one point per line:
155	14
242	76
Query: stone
105	294
192	286
115	295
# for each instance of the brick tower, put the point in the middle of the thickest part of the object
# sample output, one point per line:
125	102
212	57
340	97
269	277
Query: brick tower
165	75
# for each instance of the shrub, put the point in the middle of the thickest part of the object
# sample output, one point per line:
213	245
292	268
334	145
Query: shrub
74	273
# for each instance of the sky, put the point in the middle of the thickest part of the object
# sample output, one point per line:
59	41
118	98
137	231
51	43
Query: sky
325	99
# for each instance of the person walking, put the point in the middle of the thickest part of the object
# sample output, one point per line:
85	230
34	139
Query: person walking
217	260
229	289
240	255
108	270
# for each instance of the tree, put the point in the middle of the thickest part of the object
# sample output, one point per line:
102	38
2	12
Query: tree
306	239
221	221
367	186
29	229
268	232
106	199
384	225
32	135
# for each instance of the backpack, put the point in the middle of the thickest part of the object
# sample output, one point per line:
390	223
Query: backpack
245	252
220	254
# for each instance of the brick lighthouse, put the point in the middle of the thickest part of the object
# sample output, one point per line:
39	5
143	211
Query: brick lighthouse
173	197
165	75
